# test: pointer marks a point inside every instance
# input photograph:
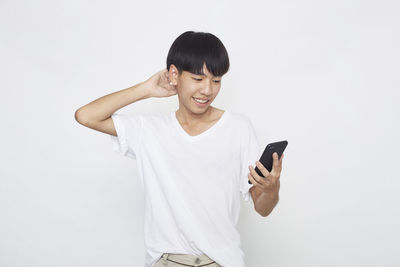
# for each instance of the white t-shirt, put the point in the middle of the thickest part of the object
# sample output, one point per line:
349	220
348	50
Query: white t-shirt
192	184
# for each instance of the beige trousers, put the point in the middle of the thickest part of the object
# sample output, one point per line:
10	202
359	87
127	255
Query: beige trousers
180	260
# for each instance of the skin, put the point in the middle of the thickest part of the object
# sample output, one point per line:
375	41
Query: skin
190	85
265	191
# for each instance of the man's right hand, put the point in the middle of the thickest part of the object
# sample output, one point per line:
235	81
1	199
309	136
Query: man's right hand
159	85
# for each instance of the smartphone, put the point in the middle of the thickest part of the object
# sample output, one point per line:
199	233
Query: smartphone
266	158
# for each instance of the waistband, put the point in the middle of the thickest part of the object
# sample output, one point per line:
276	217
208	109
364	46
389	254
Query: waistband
188	260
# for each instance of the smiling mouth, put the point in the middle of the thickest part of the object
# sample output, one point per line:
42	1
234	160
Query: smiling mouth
200	101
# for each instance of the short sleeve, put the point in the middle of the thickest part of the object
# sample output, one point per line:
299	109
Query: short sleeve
251	154
128	128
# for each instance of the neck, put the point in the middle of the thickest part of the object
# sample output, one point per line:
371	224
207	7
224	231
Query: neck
185	116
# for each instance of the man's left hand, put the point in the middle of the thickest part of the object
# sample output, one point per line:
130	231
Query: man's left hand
270	183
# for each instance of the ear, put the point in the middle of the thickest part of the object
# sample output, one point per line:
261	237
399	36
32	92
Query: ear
173	74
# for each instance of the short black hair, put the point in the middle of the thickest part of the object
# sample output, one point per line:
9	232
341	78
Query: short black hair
191	50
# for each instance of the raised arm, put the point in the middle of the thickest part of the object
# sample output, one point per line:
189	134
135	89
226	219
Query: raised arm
97	114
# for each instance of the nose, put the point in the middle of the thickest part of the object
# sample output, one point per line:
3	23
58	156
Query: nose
206	89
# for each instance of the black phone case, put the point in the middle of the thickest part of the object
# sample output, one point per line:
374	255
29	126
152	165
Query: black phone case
266	158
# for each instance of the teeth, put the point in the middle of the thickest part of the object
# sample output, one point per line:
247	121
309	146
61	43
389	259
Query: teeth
201	101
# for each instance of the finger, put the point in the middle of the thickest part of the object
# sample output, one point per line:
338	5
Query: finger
272	179
262	169
276	162
262	185
252	180
166	74
260	180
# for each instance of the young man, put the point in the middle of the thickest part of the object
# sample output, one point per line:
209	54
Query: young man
193	163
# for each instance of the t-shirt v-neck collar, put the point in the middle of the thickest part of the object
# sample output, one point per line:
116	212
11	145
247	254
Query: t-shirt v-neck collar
207	132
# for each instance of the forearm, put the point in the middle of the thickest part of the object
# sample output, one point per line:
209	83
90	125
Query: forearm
265	203
103	107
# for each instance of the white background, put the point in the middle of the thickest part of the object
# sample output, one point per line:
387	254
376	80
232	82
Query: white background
323	75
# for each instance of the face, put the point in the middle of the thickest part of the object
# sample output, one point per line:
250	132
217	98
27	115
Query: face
191	86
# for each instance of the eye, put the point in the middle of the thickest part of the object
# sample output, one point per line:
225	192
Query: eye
199	79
